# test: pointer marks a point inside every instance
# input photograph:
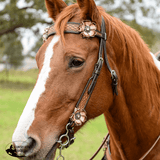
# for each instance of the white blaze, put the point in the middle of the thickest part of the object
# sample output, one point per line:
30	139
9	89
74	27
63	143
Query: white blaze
27	117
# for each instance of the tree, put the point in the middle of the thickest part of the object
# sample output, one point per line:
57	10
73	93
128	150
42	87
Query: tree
16	18
13	49
13	16
143	12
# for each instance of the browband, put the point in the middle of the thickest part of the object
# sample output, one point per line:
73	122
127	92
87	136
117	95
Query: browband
86	28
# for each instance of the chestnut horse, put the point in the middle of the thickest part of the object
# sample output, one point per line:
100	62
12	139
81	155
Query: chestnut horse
82	34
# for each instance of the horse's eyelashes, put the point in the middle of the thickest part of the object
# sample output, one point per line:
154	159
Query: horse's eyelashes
76	62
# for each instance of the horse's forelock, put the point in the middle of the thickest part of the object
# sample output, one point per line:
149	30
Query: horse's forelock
66	15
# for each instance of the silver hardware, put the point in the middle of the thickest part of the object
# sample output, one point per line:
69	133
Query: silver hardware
45	34
60	154
64	135
65	144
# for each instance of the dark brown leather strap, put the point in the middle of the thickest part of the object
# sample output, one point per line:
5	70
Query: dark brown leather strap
105	139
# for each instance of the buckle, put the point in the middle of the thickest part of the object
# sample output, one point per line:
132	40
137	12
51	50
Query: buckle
104	36
114	82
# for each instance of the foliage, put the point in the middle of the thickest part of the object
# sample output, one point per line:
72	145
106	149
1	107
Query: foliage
17	17
148	35
156	47
132	12
132	9
12	49
12	18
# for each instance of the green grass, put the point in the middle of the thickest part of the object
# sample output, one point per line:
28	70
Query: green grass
19	76
13	96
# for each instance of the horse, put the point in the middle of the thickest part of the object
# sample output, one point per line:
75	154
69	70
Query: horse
91	64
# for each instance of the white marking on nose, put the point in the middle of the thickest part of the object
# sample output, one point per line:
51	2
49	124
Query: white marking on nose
157	63
27	117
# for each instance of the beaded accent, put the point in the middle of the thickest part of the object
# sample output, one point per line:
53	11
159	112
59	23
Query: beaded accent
45	34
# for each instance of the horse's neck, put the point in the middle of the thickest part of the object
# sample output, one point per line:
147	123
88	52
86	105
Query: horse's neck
133	121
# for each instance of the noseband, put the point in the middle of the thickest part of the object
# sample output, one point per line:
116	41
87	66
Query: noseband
87	29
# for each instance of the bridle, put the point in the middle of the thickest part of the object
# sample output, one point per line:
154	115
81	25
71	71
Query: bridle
88	29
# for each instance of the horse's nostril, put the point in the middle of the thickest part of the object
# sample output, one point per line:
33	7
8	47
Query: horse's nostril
28	145
25	148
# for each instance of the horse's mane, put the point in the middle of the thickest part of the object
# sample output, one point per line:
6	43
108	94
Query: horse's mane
132	49
130	41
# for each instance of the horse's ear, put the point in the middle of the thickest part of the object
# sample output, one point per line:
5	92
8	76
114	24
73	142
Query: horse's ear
54	7
88	10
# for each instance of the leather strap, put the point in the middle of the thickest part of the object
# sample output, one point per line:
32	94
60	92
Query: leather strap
104	141
103	46
146	154
108	155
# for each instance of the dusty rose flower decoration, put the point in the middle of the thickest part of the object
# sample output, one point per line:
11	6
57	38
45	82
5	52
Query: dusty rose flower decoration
79	117
45	34
88	29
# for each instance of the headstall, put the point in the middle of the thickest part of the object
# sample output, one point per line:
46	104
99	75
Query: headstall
87	29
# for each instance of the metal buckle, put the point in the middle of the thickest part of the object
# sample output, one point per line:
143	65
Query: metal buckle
70	139
114	82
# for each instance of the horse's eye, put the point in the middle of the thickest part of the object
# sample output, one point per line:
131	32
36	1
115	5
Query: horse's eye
76	62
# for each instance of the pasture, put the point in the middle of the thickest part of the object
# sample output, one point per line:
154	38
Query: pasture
14	94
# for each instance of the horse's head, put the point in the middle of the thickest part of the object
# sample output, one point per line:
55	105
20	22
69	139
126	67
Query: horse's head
66	61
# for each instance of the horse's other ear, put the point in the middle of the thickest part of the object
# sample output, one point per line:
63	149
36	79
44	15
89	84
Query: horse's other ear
88	10
54	7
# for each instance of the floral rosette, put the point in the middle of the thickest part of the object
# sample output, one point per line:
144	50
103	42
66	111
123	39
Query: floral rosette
88	29
79	117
